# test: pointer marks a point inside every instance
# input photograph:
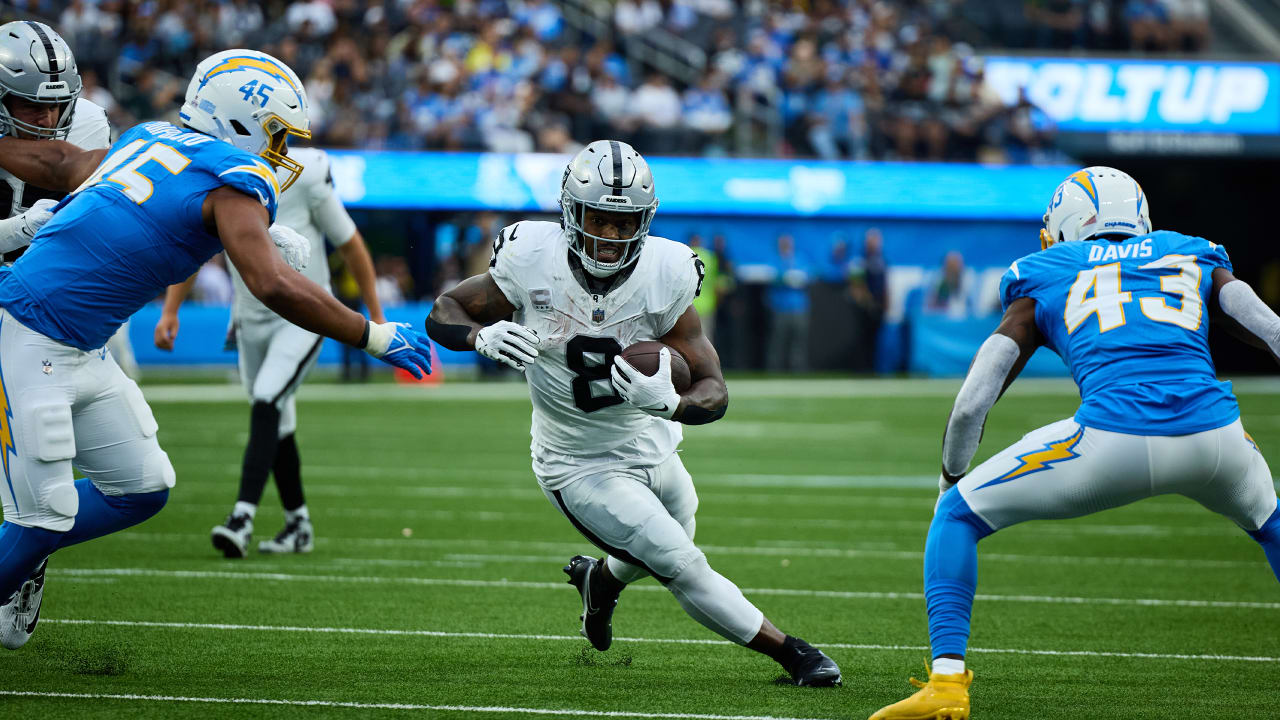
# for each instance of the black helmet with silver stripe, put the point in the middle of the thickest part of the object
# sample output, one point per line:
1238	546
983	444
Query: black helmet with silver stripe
611	176
36	65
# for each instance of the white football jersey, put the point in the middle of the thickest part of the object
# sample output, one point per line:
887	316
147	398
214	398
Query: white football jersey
310	206
89	131
578	420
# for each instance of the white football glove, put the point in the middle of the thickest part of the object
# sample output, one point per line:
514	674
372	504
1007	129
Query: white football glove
653	394
508	343
22	228
295	247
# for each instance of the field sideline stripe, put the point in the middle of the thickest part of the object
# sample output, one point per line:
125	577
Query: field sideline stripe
391	706
530	585
667	641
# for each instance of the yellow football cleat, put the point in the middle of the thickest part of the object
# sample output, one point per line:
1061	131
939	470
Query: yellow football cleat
944	697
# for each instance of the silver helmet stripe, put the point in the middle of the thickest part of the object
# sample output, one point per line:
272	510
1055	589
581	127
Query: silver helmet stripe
616	152
48	48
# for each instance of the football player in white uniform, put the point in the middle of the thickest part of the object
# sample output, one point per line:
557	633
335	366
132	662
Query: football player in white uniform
604	434
43	101
275	357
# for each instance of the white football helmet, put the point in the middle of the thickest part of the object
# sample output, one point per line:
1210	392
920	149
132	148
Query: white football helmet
1095	201
607	175
251	100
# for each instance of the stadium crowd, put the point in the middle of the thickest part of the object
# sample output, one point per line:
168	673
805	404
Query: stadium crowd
830	78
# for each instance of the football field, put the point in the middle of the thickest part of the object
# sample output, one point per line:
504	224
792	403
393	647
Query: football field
435	588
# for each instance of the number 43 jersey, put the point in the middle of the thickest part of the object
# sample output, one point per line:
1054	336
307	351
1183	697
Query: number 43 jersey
131	229
1130	320
579	423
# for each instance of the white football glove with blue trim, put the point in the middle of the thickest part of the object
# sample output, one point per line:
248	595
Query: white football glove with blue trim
294	246
400	345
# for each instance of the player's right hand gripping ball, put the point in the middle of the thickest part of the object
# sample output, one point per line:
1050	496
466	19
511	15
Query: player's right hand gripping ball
508	343
400	345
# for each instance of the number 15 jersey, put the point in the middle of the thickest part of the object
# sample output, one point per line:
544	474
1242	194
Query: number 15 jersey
1129	318
580	424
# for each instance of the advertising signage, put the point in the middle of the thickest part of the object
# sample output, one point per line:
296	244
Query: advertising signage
1105	96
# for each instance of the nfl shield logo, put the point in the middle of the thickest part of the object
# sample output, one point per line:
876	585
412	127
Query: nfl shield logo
597	316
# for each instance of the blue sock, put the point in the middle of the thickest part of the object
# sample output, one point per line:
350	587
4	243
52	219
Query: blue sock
1268	536
104	514
951	573
22	549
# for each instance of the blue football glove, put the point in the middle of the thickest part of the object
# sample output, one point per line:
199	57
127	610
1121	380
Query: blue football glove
400	345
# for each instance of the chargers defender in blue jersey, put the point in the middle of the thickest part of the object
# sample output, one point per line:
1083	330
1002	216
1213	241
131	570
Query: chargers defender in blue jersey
142	215
1128	310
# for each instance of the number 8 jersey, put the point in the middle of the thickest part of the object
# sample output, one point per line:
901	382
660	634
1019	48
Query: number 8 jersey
131	229
580	424
1129	319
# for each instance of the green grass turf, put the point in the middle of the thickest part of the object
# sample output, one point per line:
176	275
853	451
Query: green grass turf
801	490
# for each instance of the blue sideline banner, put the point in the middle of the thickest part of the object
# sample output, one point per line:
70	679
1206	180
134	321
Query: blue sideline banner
1087	95
703	187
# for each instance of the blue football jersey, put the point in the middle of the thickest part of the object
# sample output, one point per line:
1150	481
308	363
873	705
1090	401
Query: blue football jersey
132	229
1129	318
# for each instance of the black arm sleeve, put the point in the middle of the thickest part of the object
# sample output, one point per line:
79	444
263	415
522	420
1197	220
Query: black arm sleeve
695	415
452	337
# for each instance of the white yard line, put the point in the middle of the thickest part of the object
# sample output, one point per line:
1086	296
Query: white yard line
782	388
390	706
567	550
666	641
560	587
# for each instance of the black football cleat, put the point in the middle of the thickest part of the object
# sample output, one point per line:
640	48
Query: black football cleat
809	666
597	604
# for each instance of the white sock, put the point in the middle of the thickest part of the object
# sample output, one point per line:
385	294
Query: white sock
244	508
299	514
624	572
947	666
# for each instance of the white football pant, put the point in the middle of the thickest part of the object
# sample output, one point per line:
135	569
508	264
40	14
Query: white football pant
64	407
1066	470
643	518
275	358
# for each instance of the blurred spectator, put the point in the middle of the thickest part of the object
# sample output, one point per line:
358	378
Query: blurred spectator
1148	24
1059	24
707	114
1188	25
656	108
839	128
789	311
311	18
213	283
633	17
394	283
868	285
949	291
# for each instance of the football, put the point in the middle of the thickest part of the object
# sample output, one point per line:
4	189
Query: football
643	356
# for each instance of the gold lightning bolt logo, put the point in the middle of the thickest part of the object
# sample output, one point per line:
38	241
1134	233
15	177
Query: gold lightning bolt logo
1041	459
6	429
